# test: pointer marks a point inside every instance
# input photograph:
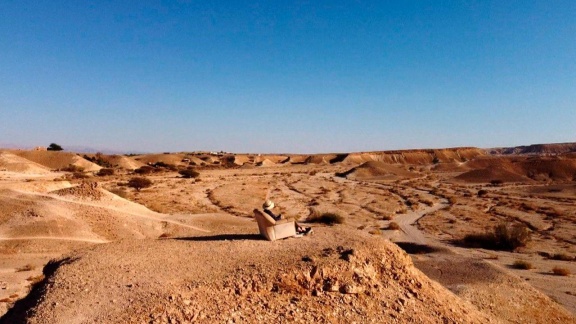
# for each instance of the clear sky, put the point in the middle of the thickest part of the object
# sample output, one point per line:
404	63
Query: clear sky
287	76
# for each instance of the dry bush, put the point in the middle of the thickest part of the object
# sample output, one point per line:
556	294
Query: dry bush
496	182
393	226
72	168
562	257
375	232
506	237
5	300
387	217
482	192
79	175
328	218
27	267
139	183
522	264
189	173
561	271
144	170
105	172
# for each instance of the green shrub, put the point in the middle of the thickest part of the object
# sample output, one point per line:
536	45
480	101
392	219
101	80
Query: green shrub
54	147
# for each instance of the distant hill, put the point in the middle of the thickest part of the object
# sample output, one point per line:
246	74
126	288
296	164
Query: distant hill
535	149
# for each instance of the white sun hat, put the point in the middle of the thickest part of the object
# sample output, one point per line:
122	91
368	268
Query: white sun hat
268	204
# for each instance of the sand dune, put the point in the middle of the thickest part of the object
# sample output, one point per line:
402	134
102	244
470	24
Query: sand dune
12	162
57	160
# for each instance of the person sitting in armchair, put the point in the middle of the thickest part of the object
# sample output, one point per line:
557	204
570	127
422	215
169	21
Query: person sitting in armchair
269	205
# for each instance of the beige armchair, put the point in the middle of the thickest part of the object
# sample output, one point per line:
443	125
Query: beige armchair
272	229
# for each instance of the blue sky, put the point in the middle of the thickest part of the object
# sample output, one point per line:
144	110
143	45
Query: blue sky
287	76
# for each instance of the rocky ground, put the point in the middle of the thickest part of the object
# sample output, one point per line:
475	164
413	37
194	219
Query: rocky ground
187	250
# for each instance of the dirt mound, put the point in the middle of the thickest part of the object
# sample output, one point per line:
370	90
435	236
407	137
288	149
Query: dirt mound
421	157
85	190
265	163
320	158
489	174
57	160
14	163
276	159
378	170
242	159
327	278
122	161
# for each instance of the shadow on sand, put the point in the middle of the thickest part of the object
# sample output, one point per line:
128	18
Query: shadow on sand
19	312
222	237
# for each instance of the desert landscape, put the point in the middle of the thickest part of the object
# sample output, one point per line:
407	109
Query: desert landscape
455	235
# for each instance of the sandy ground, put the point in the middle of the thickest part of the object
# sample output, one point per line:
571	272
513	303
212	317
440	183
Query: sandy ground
206	222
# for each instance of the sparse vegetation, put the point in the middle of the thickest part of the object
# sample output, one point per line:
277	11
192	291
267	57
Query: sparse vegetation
506	237
105	172
27	267
562	257
54	147
325	218
189	173
139	183
72	168
79	175
496	182
559	271
146	169
522	265
393	226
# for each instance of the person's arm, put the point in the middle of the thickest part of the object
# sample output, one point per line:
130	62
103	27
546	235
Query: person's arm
269	212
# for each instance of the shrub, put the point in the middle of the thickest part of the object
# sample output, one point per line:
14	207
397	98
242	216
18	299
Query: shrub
507	237
325	218
105	172
139	183
189	173
393	226
72	168
54	147
561	271
496	182
27	267
79	175
522	264
562	257
482	192
144	170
